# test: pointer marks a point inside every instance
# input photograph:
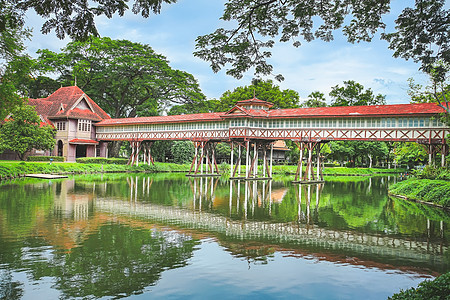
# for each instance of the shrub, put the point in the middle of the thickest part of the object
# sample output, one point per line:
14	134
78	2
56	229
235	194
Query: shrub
45	158
102	160
438	288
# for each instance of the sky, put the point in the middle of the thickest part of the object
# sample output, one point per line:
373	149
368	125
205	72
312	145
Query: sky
314	66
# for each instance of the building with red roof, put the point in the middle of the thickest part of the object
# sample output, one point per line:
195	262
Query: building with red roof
73	114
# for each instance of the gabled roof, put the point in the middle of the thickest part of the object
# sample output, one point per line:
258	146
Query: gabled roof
239	111
254	101
63	104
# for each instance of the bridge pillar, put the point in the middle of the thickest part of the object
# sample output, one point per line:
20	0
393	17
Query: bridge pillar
148	152
235	164
252	172
308	175
135	149
204	154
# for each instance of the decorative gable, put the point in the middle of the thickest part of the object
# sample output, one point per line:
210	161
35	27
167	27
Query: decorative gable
82	104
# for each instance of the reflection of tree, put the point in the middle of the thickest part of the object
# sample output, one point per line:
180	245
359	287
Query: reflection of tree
9	289
20	204
116	260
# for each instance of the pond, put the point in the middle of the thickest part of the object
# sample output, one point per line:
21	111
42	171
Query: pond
170	236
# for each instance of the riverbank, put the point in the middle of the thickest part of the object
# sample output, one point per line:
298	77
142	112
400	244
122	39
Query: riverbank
430	191
15	169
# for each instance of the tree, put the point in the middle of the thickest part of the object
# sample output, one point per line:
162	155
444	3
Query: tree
410	154
15	64
315	99
262	89
76	18
196	107
126	79
438	91
22	132
183	152
358	152
353	93
422	33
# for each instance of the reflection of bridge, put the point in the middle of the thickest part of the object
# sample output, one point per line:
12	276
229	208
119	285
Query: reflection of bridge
253	125
349	242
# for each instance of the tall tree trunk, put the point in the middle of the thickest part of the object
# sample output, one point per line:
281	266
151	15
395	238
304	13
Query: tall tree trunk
114	148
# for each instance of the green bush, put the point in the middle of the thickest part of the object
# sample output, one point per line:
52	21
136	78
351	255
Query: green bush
102	160
438	288
45	158
436	191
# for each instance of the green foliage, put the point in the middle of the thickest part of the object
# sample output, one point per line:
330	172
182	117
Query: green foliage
410	153
439	288
15	65
315	99
76	19
22	132
102	160
433	172
162	150
353	93
435	191
260	89
358	152
126	79
421	33
45	158
183	152
13	169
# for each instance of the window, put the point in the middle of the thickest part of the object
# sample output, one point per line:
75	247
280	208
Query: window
84	125
61	126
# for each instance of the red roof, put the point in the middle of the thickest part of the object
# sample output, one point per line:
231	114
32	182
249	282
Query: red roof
254	101
163	119
359	111
314	112
82	141
61	104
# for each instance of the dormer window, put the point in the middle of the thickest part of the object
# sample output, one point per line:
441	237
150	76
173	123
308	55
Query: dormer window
84	125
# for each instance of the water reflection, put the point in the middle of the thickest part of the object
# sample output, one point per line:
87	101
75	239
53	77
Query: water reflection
115	235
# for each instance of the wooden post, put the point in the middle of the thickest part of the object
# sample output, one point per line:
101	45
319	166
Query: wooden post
231	161
309	160
318	161
264	160
239	161
247	165
255	159
271	158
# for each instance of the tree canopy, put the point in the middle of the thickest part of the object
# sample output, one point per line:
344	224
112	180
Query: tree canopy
261	89
315	99
353	94
22	132
15	65
421	32
126	79
76	18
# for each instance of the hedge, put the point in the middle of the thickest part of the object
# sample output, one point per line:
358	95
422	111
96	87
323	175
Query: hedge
102	160
45	158
438	288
